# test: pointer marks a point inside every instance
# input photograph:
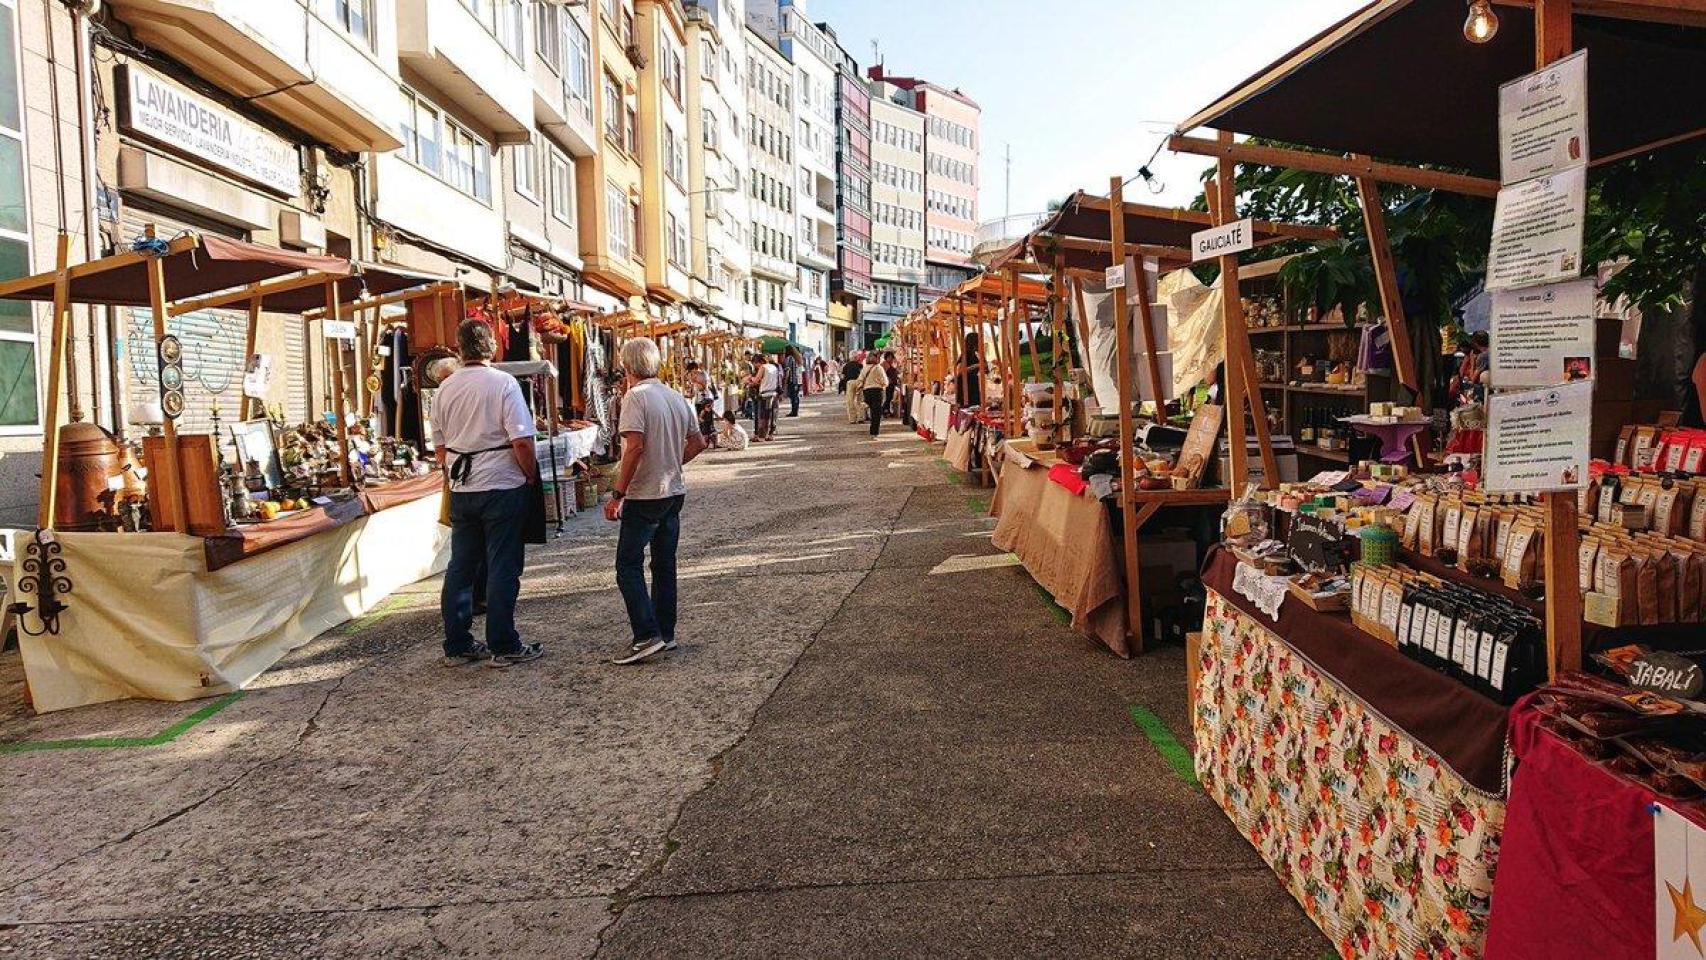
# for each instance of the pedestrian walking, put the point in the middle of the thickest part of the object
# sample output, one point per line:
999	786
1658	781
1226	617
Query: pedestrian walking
891	368
793	379
767	383
749	389
849	386
485	432
873	386
659	437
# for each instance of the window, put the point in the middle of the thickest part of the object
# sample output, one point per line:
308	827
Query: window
707	59
670	69
635	236
548	35
612	110
675	156
562	186
619	232
708	123
356	17
445	149
20	411
631	127
678	247
524	168
577	76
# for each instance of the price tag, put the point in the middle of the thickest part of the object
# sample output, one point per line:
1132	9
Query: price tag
1114	277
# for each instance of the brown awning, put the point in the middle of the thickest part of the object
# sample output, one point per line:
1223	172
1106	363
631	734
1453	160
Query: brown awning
195	265
1397	80
369	280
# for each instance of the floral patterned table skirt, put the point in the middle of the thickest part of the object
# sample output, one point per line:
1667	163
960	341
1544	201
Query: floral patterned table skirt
1388	850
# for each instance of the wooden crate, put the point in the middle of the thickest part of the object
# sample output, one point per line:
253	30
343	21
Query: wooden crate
203	498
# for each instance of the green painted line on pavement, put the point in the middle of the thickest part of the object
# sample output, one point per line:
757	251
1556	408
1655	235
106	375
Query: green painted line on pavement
1060	613
165	736
979	506
1166	744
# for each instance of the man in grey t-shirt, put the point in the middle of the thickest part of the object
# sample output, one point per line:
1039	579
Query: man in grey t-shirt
659	436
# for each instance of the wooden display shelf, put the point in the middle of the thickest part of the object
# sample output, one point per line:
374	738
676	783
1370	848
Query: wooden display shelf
1327	389
1181	498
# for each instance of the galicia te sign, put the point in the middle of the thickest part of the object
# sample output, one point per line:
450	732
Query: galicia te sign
1222	241
191	124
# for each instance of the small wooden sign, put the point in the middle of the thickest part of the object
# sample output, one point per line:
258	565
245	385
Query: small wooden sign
1668	674
1198	448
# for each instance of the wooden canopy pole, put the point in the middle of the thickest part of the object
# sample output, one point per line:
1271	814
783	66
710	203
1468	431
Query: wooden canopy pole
1552	41
1083	322
1239	356
169	429
250	332
1225	149
55	374
1386	278
338	386
1057	335
1128	429
1010	330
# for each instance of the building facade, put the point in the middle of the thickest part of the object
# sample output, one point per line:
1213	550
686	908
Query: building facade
850	286
897	207
666	229
612	196
771	194
951	152
717	156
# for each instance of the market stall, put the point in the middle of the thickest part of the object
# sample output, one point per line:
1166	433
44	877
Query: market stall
183	572
1491	583
1085	243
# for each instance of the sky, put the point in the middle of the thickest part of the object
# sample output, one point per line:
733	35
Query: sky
1080	90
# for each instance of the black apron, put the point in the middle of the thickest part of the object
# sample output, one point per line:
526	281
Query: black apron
533	525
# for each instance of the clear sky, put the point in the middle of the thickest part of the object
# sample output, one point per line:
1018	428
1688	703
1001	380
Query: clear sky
1080	89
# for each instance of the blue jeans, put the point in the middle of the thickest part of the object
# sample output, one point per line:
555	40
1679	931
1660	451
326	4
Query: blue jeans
485	534
657	524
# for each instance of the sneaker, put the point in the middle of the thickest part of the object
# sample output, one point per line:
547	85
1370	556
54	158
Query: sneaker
528	651
475	654
670	644
640	651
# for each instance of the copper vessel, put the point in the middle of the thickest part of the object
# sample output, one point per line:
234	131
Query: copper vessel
89	458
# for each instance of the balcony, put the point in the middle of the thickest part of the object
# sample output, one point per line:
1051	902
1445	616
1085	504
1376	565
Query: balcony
455	52
329	83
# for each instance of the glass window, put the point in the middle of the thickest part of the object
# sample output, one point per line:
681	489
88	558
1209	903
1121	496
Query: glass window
18	403
524	168
562	186
612	109
617	233
356	17
548	35
578	76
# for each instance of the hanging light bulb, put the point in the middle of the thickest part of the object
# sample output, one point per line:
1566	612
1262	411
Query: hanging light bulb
1482	24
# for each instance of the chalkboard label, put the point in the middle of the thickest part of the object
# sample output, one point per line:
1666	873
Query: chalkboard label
1667	674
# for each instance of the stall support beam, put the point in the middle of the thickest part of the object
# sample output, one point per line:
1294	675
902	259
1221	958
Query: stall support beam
169	429
1386	278
1242	382
55	374
1552	40
339	407
1137	276
1332	165
1128	453
250	332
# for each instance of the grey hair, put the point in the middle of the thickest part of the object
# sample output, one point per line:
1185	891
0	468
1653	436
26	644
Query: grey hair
640	358
475	341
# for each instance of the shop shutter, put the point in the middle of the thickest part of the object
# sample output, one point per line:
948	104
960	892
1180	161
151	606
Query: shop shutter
296	370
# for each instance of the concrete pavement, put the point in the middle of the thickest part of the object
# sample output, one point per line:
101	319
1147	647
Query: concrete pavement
851	756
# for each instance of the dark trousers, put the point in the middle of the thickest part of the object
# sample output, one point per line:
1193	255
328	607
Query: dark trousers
655	524
874	404
764	425
486	537
793	399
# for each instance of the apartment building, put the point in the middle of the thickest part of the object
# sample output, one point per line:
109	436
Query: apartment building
717	156
951	150
850	285
612	195
666	233
771	193
542	176
897	207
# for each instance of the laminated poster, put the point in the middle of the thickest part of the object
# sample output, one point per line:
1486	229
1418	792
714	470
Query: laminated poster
1543	121
1537	440
1543	336
1537	231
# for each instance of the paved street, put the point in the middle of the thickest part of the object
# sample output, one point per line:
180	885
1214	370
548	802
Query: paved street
854	755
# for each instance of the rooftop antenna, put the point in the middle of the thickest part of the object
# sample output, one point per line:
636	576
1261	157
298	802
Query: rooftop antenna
1007	210
876	52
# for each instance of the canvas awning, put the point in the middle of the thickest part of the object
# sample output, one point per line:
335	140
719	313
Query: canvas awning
196	265
1397	80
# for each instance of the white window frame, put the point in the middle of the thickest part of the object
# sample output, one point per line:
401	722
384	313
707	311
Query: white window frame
29	337
617	224
524	167
562	204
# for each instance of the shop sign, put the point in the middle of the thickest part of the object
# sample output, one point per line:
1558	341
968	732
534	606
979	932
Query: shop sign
340	329
1223	241
1537	231
168	114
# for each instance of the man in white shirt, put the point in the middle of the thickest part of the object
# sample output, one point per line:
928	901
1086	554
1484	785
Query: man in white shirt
659	437
768	379
484	433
